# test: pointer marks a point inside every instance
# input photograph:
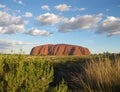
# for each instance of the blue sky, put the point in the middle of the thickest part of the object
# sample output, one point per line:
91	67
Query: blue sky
94	24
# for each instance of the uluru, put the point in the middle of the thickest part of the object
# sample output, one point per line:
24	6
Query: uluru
60	50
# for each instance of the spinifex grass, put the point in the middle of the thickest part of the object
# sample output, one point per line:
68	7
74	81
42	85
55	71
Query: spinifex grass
99	76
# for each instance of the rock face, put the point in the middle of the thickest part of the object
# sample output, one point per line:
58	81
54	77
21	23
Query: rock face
60	50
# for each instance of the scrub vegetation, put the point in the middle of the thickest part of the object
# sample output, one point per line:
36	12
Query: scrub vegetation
95	73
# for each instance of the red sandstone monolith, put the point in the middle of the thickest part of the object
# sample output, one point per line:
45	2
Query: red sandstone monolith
60	50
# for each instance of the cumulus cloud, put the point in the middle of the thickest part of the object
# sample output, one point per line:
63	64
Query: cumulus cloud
11	24
2	6
80	22
45	7
82	9
111	26
47	18
28	14
37	32
62	7
11	29
20	2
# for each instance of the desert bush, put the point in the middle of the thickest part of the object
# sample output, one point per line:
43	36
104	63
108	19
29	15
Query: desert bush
62	87
95	73
18	74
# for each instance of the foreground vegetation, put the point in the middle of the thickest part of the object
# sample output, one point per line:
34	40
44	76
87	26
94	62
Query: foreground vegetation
95	73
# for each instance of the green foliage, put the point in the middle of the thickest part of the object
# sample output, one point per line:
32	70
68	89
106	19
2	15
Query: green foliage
95	73
19	74
62	87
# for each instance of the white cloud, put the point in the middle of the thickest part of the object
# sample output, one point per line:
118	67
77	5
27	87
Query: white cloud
20	2
12	29
28	14
13	42
2	6
10	24
37	32
100	15
78	9
111	26
82	9
80	22
45	7
7	45
47	18
62	7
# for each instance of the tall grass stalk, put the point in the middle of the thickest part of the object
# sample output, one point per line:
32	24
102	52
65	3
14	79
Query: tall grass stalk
102	76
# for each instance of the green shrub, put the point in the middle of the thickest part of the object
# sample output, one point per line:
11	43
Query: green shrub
19	74
62	87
